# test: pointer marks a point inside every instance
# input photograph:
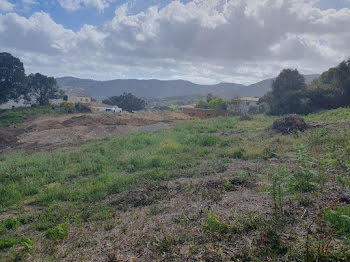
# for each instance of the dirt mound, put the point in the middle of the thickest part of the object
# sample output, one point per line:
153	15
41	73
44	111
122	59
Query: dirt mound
289	123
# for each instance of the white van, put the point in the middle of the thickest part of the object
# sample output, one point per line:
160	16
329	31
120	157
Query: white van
113	109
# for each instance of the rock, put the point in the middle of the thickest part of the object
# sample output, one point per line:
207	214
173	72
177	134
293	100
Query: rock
289	124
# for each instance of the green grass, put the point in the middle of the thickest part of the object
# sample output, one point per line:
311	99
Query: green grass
68	186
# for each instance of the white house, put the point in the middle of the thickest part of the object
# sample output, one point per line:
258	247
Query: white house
74	98
241	105
98	107
78	98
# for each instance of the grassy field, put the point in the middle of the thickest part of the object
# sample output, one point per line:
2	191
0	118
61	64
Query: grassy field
118	187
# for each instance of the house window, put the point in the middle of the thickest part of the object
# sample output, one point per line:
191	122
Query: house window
86	100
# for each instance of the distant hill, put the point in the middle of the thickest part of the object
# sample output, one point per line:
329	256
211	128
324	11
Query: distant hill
154	88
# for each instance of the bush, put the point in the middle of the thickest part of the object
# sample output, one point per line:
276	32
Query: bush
202	104
218	104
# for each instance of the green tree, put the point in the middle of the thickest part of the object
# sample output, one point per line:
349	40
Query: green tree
210	97
218	104
332	88
41	88
289	94
126	101
202	104
12	78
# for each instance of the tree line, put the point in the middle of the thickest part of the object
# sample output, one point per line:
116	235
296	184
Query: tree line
290	93
212	102
15	84
37	89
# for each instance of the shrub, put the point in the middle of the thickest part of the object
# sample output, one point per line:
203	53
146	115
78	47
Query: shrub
202	104
218	104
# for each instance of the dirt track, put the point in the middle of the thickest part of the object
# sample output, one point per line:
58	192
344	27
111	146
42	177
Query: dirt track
52	131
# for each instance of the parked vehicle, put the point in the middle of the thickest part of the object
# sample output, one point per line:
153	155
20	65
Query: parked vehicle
114	109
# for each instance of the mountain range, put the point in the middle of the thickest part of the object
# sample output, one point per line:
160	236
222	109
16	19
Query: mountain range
154	88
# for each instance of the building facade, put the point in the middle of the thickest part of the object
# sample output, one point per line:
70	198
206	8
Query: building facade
241	105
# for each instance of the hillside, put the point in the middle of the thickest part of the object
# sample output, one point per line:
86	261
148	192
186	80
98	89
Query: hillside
163	88
223	189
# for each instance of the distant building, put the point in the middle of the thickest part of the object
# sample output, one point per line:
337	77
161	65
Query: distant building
241	105
74	98
12	104
77	98
203	113
98	107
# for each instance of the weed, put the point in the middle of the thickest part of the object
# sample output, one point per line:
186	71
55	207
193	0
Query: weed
339	219
7	242
46	220
11	223
155	210
214	225
238	154
228	185
28	243
164	244
58	232
279	191
208	140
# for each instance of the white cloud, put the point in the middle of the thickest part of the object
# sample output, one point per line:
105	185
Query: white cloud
206	41
73	5
6	6
29	2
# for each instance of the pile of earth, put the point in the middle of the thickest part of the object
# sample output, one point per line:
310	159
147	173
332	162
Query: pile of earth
289	124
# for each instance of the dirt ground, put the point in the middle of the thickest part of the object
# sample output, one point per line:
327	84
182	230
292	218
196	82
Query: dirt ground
51	131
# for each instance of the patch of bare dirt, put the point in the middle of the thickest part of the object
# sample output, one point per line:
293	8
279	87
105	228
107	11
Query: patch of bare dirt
51	131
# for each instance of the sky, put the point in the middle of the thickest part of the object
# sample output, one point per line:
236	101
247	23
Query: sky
203	41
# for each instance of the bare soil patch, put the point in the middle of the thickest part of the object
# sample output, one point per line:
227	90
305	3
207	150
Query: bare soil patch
52	131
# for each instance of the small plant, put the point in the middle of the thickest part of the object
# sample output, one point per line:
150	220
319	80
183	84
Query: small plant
208	140
343	181
155	210
279	191
58	232
339	219
228	185
238	154
11	223
7	242
28	243
245	117
164	244
213	225
269	153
